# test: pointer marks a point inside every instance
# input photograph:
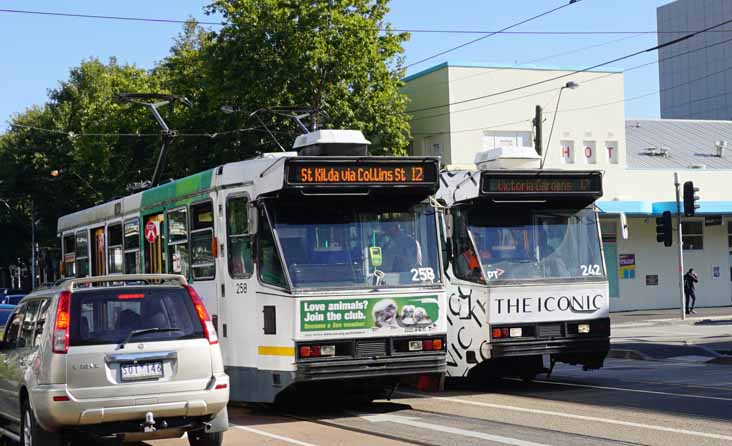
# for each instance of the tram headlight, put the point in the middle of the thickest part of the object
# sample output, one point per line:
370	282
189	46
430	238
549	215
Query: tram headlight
583	328
516	332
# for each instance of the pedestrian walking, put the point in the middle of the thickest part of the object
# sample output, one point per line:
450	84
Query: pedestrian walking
690	279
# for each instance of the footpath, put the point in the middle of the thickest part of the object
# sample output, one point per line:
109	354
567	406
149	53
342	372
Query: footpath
661	335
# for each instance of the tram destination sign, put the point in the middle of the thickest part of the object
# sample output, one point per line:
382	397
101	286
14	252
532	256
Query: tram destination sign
421	172
541	183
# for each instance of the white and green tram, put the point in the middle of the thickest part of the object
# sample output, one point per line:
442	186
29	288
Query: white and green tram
526	274
320	264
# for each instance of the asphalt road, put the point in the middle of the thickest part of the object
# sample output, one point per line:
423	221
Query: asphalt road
663	403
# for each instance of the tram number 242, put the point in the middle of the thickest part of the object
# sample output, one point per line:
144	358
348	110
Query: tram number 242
241	288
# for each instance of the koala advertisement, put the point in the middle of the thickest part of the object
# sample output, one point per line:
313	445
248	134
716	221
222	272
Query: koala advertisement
388	315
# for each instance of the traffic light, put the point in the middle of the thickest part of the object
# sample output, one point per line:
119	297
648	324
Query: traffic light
690	199
664	232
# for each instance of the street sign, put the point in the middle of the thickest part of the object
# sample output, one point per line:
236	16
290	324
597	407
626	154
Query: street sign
151	231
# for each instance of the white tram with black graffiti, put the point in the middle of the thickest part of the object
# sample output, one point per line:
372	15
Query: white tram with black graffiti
527	284
321	264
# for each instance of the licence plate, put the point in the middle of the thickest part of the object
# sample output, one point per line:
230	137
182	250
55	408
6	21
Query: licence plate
135	372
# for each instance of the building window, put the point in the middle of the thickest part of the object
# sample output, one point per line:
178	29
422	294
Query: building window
729	234
609	230
132	246
115	251
693	232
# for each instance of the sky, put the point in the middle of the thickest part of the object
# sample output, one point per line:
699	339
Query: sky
39	51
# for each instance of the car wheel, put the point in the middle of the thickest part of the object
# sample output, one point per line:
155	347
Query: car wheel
201	438
32	434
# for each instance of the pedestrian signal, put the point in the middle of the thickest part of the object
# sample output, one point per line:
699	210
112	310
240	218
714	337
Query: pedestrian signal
664	233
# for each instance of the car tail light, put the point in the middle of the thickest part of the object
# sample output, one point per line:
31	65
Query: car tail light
130	296
62	323
221	386
437	344
208	329
59	399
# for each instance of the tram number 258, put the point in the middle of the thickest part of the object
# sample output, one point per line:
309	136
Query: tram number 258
241	288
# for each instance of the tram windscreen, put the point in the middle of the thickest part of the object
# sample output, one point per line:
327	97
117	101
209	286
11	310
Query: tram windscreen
515	244
352	245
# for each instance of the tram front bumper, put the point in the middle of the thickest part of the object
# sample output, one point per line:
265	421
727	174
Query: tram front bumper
566	346
370	368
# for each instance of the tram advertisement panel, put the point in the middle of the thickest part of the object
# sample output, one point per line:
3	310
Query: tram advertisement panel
548	303
361	316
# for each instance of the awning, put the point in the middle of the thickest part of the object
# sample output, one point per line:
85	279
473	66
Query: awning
649	208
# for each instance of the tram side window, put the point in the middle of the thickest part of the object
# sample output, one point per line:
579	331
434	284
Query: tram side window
268	259
238	238
466	264
178	241
115	251
69	255
82	254
202	234
132	246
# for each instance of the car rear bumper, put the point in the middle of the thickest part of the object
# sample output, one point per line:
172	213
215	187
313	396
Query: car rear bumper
54	415
371	368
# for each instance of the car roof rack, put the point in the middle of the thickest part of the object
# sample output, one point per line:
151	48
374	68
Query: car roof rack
116	280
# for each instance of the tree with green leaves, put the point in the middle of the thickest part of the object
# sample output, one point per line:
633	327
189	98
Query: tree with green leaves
330	55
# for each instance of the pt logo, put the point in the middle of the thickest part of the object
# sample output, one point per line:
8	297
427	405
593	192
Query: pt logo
495	274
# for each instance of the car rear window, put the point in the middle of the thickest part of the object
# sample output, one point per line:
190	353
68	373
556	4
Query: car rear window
104	316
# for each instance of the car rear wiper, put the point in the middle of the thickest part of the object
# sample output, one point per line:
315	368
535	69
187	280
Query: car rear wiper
134	333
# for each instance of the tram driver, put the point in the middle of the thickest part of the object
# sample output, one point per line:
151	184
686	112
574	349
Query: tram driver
401	251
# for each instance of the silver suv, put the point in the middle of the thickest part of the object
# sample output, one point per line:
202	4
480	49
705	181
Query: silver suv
131	358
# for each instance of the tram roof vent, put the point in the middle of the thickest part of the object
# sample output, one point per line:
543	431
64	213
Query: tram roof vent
508	158
332	143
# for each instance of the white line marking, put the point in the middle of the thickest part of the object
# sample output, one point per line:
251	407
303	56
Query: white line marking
573	416
414	422
622	389
275	436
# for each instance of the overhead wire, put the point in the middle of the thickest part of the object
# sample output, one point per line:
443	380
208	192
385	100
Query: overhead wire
470	42
561	76
73	135
383	29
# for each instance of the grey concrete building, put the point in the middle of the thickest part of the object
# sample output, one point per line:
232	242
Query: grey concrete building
695	75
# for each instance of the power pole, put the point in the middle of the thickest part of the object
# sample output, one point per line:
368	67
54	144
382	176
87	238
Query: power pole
681	247
33	245
537	130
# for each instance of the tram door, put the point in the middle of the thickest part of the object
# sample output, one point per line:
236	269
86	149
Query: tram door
99	266
154	242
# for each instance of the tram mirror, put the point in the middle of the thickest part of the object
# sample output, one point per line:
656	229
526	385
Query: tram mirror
375	256
624	225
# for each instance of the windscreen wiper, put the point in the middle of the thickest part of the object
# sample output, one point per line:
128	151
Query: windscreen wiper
134	333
